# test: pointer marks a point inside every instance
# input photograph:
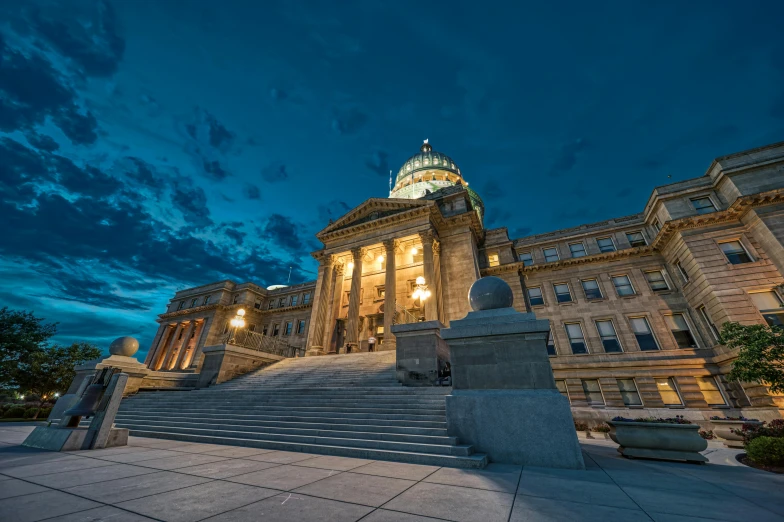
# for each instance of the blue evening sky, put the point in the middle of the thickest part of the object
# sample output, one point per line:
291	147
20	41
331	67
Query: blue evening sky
147	146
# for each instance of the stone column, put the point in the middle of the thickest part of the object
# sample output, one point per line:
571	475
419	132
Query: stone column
184	346
156	345
201	338
431	308
390	293
437	292
318	321
160	354
170	348
352	324
336	288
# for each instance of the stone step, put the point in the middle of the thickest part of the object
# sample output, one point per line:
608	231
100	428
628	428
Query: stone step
324	412
414	402
471	461
233	408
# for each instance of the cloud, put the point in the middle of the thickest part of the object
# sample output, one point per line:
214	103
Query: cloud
348	120
331	210
42	141
208	142
498	218
519	232
566	158
214	170
274	173
378	162
283	232
192	202
492	190
252	191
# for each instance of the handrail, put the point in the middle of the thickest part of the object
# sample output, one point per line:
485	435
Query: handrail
406	316
262	343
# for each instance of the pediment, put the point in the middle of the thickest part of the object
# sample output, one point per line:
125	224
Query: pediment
372	210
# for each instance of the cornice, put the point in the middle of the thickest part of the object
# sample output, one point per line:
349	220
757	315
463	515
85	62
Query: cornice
403	216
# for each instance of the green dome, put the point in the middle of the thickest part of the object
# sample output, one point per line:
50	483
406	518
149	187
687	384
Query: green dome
427	159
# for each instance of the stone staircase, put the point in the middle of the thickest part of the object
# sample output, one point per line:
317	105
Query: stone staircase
348	405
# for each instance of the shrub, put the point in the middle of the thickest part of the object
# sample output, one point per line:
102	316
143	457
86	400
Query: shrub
678	419
768	451
44	413
751	431
581	426
741	418
601	428
707	434
29	413
14	412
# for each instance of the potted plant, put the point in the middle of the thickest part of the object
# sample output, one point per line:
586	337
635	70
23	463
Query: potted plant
729	429
672	438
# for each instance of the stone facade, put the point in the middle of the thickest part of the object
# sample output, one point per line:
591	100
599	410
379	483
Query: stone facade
634	303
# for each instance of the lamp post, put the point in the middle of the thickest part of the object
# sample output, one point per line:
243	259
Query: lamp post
420	290
237	322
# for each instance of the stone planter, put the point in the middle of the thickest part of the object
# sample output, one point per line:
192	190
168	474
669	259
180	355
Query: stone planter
723	430
652	440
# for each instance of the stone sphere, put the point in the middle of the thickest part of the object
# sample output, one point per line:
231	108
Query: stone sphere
489	293
126	346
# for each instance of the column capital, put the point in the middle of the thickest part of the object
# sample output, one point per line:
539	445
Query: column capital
323	258
427	237
358	253
338	269
436	248
390	245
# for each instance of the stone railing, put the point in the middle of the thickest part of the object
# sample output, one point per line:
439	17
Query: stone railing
263	343
403	316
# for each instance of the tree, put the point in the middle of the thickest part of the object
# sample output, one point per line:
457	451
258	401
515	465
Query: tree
760	353
50	370
20	333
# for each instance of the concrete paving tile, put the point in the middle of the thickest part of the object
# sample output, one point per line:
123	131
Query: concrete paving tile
15	456
80	477
196	447
528	509
146	442
118	450
282	457
384	515
42	505
236	451
15	488
197	502
667	517
396	470
288	507
119	490
226	468
56	466
368	490
181	460
138	456
585	491
697	504
284	477
336	463
101	514
587	475
663	481
454	503
495	477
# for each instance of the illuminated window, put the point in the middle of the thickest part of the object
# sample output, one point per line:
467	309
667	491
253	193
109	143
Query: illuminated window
577	249
606	244
562	292
656	280
770	306
680	330
576	338
636	239
380	292
550	254
593	392
735	252
591	289
526	258
669	392
711	391
492	259
703	205
623	285
609	337
535	296
643	334
629	393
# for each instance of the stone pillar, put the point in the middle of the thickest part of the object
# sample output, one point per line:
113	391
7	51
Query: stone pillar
170	352
319	317
160	352
201	339
333	302
438	295
184	346
431	307
156	345
390	293
352	324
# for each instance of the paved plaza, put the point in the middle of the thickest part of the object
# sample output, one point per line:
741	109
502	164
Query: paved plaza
154	479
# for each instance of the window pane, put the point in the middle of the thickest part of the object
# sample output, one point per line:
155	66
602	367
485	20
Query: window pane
668	392
606	244
526	258
656	280
576	340
683	272
593	392
550	343
562	293
550	254
591	289
710	390
606	331
642	333
680	330
623	285
561	385
712	327
766	300
493	259
774	319
535	296
629	393
703	205
577	249
735	252
635	239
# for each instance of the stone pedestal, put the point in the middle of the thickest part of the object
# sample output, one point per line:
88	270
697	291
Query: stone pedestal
420	352
224	362
504	399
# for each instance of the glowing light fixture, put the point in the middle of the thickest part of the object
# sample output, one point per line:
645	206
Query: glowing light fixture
56	394
421	292
238	321
350	265
414	251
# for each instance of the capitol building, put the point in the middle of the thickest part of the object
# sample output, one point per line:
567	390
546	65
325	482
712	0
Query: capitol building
635	303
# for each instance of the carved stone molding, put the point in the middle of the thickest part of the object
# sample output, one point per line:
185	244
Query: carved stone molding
358	253
390	245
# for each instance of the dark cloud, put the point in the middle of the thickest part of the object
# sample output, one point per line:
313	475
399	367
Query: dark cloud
491	190
143	173
274	173
348	120
89	290
81	129
378	163
220	137
42	141
566	158
331	210
283	232
497	218
215	171
252	191
520	232
192	202
89	181
237	235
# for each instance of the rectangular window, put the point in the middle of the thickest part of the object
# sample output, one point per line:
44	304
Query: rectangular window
275	330
629	393
682	271
252	327
306	298
606	331
710	390
271	304
181	305
576	339
577	249
526	258
711	327
535	296
593	392
264	331
294	300
562	292
281	302
300	327
289	328
492	260
643	334
257	304
560	384
703	205
591	289
623	285
735	252
550	254
656	280
636	239
551	343
656	225
380	293
770	306
680	330
193	302
236	299
605	244
206	300
668	391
